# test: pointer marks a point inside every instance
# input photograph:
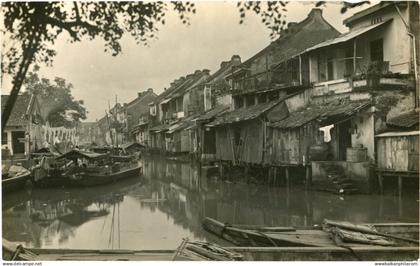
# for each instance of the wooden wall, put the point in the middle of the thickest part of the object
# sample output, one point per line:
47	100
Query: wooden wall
252	136
289	146
185	142
249	149
224	144
399	153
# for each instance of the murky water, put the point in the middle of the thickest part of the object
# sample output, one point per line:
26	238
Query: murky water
158	210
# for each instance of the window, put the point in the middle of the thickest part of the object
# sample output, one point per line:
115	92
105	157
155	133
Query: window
3	138
153	110
349	61
330	68
239	103
250	100
376	51
322	76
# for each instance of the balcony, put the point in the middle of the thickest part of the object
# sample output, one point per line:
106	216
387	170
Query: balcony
254	84
375	76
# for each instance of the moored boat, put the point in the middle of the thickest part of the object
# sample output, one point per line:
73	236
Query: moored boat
15	178
332	234
48	171
91	169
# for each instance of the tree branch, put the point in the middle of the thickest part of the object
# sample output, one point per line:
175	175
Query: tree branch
70	26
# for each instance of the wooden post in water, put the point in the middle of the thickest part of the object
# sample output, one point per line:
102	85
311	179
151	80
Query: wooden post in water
287	177
270	176
400	184
221	173
246	173
275	176
308	177
381	183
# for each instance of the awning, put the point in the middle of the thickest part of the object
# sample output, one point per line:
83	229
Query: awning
165	101
243	114
346	36
342	113
160	128
75	154
398	134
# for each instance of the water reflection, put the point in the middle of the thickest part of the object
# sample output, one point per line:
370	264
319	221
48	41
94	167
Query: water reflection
169	203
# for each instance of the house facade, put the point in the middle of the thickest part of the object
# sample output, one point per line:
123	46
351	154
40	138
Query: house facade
23	131
137	112
370	72
259	87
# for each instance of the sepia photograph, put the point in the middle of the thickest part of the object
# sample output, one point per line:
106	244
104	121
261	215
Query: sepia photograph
161	131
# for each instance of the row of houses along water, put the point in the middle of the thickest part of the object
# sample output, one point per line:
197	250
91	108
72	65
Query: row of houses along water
340	110
29	130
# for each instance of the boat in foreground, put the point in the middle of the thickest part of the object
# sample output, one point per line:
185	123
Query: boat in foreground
15	178
13	251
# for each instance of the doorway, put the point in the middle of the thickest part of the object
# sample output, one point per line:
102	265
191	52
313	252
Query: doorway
18	144
344	139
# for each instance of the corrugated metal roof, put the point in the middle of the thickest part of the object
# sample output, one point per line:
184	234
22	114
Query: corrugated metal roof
331	112
160	128
243	114
182	124
346	36
405	120
299	118
218	110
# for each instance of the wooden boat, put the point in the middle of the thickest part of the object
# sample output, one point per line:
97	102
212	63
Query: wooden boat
204	251
16	181
13	251
99	169
48	171
373	240
94	177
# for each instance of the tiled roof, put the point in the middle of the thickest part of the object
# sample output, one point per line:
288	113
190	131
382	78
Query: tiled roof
212	113
405	120
299	118
328	113
182	124
160	128
346	36
17	117
298	37
244	114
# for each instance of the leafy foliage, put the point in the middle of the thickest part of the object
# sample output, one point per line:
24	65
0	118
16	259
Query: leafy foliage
58	106
272	14
106	20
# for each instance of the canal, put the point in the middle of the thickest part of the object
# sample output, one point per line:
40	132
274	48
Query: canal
168	203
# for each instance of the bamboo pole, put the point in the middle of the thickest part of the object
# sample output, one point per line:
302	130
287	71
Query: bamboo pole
364	230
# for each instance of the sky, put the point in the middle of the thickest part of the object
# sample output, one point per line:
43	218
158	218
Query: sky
213	36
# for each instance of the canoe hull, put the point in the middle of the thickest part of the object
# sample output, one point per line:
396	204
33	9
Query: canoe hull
96	180
52	179
15	183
